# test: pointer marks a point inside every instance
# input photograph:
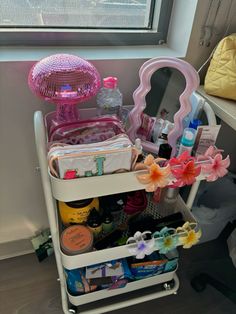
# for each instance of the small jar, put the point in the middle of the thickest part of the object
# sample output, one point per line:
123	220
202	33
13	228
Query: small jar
77	212
76	240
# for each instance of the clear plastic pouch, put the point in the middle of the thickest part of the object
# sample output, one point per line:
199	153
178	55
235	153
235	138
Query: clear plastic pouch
92	130
72	161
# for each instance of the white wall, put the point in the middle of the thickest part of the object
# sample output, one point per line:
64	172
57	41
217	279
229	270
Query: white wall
22	207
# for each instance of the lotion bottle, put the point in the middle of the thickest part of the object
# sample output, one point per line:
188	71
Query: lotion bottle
187	141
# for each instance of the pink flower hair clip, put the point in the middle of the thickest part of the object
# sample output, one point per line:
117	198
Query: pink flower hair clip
215	166
184	170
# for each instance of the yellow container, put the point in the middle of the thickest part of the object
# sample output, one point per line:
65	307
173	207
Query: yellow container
77	212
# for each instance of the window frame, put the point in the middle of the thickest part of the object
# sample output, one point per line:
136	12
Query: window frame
156	35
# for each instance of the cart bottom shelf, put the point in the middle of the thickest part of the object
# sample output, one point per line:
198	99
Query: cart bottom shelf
132	286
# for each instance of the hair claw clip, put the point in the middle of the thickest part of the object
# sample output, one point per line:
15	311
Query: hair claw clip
166	239
187	235
142	245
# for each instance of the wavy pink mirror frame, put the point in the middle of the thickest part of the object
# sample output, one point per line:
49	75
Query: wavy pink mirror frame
145	73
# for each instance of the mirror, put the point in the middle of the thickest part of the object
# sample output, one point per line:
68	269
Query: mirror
161	100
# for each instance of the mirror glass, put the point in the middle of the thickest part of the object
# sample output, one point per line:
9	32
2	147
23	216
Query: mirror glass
162	101
157	102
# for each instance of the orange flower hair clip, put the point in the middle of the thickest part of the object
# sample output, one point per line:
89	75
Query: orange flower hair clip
156	177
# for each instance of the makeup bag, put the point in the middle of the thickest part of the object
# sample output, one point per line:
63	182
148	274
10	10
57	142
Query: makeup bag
86	131
72	161
220	78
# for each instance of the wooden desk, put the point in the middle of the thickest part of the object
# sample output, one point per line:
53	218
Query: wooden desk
224	109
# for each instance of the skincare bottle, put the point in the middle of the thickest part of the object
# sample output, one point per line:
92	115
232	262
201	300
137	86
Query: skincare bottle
157	129
187	141
165	151
138	146
163	138
107	221
94	222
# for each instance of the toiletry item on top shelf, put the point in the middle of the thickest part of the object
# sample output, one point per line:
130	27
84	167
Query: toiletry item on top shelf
76	240
146	128
159	124
163	138
77	212
206	137
187	141
139	148
165	151
197	103
94	222
107	221
109	97
194	124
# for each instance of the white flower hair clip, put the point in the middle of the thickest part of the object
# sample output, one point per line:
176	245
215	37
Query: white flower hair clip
143	245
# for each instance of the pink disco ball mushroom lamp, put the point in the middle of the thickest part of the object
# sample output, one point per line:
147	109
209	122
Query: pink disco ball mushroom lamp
65	80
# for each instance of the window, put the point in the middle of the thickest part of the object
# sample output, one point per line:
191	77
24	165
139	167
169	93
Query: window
84	22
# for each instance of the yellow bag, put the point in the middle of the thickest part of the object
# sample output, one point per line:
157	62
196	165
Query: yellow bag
220	79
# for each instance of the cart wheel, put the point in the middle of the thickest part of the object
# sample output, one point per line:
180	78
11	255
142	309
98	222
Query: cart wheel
169	285
166	286
73	309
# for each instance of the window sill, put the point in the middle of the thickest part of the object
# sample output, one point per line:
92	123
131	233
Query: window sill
11	54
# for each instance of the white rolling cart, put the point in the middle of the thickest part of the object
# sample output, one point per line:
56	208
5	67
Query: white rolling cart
82	188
